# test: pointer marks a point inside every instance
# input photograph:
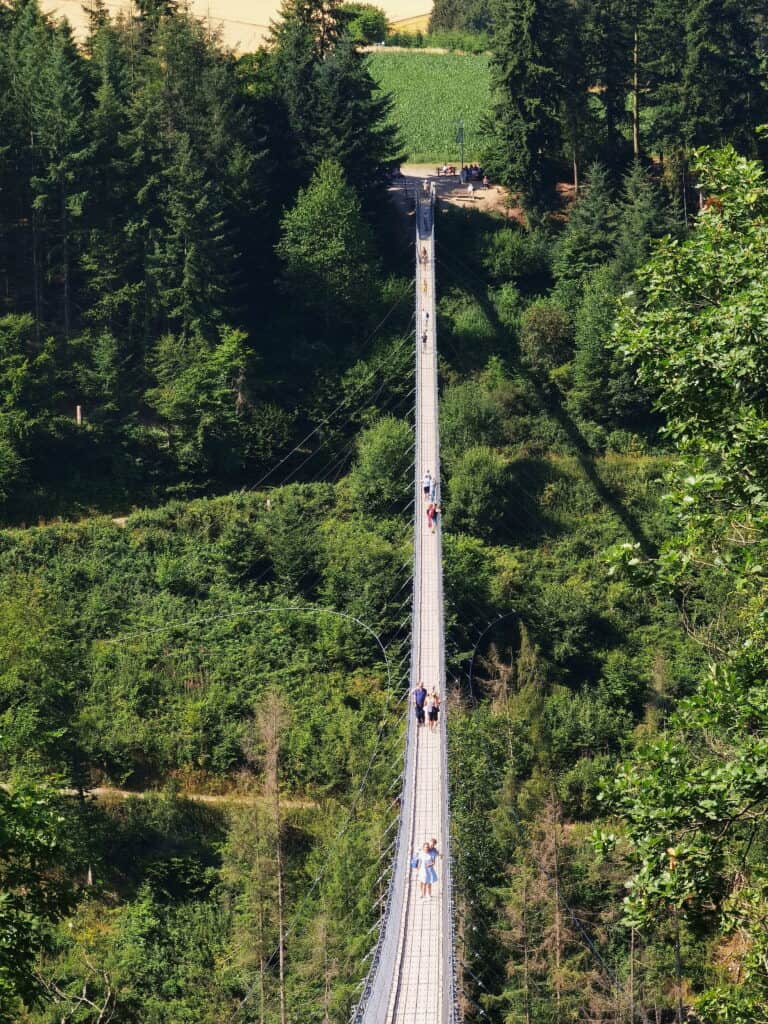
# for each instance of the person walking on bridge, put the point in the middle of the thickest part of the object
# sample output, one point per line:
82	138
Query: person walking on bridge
433	708
424	861
419	696
427	484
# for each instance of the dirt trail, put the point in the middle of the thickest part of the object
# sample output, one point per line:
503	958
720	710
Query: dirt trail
113	793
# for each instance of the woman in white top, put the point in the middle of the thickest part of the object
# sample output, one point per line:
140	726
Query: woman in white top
424	862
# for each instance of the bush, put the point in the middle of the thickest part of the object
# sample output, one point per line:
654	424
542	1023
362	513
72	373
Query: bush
468	416
477	488
520	256
381	481
364	22
546	336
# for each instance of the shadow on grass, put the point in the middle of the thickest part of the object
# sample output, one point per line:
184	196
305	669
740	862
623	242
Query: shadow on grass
468	277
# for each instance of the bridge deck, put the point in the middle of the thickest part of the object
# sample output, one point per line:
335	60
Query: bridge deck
412	981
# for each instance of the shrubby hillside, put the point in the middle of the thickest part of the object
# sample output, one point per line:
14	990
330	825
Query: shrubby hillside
201	701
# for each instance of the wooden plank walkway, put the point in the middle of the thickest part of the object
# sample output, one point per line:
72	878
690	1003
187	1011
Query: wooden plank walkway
413	980
417	997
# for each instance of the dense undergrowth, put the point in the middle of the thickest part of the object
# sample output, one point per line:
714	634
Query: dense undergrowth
237	663
189	650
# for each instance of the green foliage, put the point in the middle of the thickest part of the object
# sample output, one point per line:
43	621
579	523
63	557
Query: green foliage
693	798
468	416
520	256
708	372
431	93
577	83
472	17
319	236
34	892
477	491
446	39
330	101
366	23
546	336
589	235
141	195
642	216
381	480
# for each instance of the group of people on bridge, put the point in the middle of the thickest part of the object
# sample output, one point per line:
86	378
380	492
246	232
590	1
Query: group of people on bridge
429	485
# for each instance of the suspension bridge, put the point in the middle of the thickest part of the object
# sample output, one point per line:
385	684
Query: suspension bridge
412	978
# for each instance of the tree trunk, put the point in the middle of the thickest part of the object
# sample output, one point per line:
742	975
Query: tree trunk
273	720
262	944
678	969
558	923
632	976
36	298
526	973
65	260
636	93
280	907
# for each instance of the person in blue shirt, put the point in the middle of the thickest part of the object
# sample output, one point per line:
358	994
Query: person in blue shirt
419	696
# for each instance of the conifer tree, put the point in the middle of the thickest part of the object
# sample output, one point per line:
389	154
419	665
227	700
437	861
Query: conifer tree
326	246
58	125
588	238
525	129
607	46
111	345
189	259
333	106
662	57
593	361
24	52
723	82
353	125
642	214
182	126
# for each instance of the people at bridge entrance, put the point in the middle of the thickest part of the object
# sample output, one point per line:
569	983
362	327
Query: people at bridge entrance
419	699
424	862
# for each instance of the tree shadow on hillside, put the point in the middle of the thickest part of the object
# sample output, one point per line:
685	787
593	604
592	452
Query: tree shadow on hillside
550	402
525	519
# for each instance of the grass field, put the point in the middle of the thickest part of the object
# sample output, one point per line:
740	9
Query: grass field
432	92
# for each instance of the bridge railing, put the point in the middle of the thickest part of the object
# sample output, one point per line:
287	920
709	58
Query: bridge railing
381	980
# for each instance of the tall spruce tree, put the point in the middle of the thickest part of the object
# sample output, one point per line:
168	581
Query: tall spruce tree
642	214
111	345
353	123
182	126
334	108
587	241
524	131
24	51
723	81
59	128
607	49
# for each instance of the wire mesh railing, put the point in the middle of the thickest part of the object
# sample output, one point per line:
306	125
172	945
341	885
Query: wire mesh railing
379	997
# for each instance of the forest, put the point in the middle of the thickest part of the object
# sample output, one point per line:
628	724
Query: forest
206	431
